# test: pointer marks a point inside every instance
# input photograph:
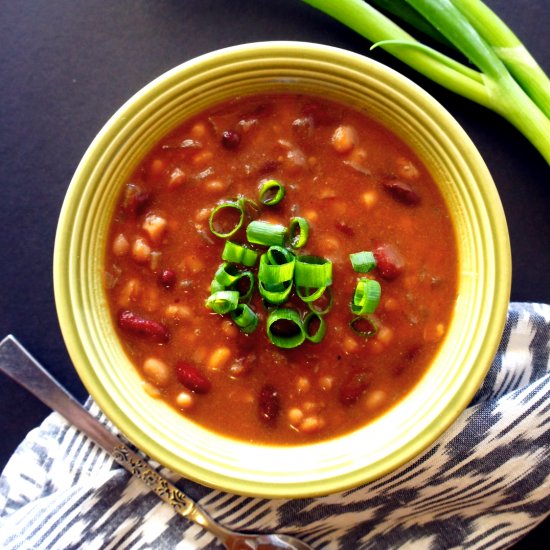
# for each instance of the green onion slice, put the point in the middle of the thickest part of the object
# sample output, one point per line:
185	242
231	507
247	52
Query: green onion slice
284	328
366	297
321	329
298	232
271	192
265	233
315	294
223	301
238	205
279	255
274	274
238	254
363	262
216	286
363	326
322	308
275	294
226	274
312	272
244	285
228	277
245	318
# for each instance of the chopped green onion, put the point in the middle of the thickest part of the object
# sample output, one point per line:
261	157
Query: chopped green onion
321	330
246	293
265	233
226	274
279	255
366	297
237	205
245	318
315	294
271	192
238	254
284	328
363	326
363	262
228	277
314	306
273	274
312	272
216	286
298	232
223	301
275	294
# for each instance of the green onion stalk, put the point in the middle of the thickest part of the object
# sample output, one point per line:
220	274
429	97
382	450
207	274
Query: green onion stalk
507	80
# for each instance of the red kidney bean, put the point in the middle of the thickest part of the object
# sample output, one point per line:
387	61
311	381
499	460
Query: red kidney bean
352	389
140	326
192	378
344	228
268	166
135	200
402	192
167	278
269	404
389	261
230	139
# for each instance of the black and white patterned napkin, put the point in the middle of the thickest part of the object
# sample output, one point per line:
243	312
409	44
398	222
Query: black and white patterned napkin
482	485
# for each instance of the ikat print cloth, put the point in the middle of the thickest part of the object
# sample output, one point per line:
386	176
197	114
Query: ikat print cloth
482	485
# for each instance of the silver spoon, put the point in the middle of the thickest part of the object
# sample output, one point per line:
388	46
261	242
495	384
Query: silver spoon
20	366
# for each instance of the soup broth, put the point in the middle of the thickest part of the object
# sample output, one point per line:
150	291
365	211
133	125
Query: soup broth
355	187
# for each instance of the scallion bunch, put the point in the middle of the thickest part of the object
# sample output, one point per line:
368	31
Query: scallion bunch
507	79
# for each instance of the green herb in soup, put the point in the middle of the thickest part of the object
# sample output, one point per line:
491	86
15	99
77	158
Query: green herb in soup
281	269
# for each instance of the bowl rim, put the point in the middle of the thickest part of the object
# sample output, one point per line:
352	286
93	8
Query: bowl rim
411	449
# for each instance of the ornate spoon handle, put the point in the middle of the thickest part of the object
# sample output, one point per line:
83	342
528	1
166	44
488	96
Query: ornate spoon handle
20	365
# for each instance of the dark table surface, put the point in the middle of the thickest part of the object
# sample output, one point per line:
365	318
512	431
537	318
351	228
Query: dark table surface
67	65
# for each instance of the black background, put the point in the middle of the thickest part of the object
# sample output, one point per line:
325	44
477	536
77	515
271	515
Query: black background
67	65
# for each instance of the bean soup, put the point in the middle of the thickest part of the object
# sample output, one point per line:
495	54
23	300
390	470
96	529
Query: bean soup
281	269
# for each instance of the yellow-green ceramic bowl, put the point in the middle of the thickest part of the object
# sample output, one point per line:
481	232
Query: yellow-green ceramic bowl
464	357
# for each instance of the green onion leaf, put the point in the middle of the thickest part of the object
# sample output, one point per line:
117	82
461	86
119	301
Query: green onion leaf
363	262
223	301
363	326
265	233
284	328
245	318
366	297
238	254
298	232
321	329
271	192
